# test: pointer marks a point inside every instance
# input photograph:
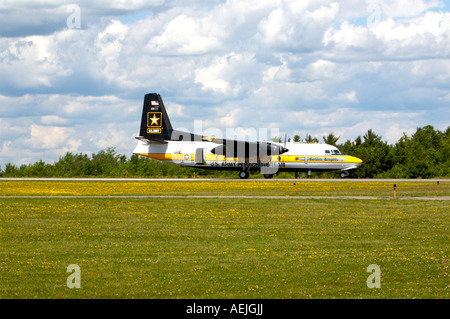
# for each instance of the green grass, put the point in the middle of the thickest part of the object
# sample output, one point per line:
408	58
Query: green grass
223	248
224	188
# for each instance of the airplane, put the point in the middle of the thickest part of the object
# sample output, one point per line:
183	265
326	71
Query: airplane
158	140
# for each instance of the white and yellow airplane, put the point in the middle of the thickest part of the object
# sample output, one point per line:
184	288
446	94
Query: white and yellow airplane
158	140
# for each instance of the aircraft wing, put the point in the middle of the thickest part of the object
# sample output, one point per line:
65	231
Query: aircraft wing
236	148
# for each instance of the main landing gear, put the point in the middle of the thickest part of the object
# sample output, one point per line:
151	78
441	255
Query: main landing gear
244	174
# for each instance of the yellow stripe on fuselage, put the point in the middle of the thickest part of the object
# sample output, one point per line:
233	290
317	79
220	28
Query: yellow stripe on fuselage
169	156
320	159
282	158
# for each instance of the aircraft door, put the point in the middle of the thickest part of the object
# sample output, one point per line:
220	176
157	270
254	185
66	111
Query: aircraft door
199	156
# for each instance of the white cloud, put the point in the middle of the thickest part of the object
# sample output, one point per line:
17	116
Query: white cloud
109	45
30	62
48	137
227	73
424	36
346	97
404	8
53	120
348	36
186	35
296	25
110	136
24	18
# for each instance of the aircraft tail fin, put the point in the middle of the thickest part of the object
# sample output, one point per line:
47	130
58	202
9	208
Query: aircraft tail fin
155	123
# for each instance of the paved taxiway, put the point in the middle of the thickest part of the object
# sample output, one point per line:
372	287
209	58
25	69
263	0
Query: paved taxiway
336	180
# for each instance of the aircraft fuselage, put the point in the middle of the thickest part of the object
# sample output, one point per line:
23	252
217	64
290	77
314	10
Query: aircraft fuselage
158	140
299	157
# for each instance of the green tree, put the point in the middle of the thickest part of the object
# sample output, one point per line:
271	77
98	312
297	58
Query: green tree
276	139
107	162
11	170
331	139
310	139
373	151
424	154
72	165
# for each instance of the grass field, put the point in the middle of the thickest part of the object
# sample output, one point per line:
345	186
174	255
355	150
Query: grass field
222	247
223	188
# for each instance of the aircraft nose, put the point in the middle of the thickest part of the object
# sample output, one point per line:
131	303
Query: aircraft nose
355	160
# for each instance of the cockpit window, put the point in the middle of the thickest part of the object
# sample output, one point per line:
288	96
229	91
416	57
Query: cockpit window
327	151
336	152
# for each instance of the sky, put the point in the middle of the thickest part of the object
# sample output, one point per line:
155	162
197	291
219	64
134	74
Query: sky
73	74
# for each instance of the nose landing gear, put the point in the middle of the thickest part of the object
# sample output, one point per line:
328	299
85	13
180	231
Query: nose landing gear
345	174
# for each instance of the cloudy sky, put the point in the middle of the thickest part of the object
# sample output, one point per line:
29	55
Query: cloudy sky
73	74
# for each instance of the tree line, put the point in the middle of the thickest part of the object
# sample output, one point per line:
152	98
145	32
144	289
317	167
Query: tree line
424	154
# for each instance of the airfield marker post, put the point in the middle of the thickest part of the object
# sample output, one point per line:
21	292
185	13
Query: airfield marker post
438	187
395	191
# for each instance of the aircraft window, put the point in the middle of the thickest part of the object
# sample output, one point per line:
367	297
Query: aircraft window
327	151
336	152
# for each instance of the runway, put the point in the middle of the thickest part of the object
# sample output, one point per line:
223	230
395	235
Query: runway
334	180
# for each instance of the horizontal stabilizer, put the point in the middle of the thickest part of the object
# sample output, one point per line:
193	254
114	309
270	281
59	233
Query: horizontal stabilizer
150	140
